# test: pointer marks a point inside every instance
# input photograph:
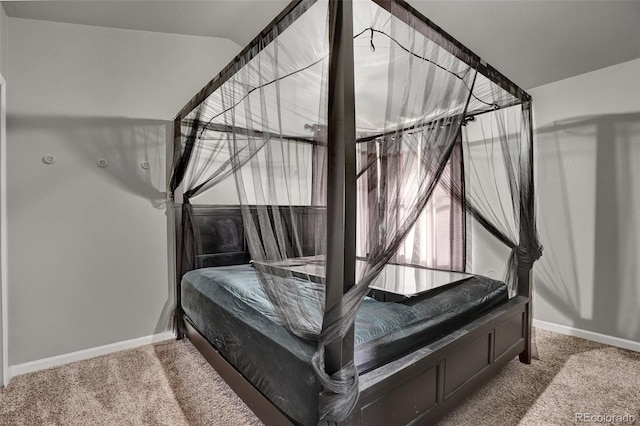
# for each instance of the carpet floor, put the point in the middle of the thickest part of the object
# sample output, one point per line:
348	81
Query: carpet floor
169	383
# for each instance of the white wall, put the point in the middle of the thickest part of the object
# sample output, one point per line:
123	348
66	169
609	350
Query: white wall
88	249
588	142
3	162
4	40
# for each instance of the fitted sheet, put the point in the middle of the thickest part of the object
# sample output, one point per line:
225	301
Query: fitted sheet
227	305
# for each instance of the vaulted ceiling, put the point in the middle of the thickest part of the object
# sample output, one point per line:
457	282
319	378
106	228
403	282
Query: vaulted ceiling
533	42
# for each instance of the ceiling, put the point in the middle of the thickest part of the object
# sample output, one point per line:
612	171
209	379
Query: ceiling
533	42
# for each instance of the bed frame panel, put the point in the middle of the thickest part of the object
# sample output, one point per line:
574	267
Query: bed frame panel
423	386
222	235
418	388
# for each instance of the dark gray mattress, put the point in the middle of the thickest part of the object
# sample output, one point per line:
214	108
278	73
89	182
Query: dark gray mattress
228	307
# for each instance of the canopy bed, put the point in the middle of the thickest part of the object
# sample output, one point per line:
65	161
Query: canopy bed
364	145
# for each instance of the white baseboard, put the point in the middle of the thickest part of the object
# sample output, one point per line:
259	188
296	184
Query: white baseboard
41	364
589	335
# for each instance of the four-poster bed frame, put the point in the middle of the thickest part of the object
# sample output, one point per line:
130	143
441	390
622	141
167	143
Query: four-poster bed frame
423	385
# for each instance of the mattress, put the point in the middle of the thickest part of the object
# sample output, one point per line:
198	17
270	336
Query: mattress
228	307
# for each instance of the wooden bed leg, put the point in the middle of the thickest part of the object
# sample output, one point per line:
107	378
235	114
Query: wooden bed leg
179	324
524	289
525	356
180	334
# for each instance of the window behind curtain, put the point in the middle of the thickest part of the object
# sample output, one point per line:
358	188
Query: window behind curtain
437	240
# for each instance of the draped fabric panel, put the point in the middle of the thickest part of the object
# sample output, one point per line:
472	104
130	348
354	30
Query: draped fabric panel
228	137
266	98
498	183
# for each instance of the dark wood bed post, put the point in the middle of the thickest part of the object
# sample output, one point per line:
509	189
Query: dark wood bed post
527	210
341	172
176	206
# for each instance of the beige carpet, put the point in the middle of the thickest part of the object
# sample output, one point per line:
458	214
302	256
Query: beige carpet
167	383
170	384
572	376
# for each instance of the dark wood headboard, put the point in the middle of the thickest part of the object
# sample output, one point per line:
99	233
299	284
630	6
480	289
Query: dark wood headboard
222	234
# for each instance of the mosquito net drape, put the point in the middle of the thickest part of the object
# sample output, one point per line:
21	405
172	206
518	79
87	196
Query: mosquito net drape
497	183
435	141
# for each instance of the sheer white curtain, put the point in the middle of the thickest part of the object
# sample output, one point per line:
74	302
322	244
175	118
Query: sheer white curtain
429	241
437	238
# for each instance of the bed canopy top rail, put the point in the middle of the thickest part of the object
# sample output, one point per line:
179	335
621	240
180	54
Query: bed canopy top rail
223	128
404	12
409	14
279	24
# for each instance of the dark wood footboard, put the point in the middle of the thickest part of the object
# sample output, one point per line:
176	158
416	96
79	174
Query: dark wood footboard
423	386
418	388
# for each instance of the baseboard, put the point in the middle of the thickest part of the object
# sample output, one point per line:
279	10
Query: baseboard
589	335
42	364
